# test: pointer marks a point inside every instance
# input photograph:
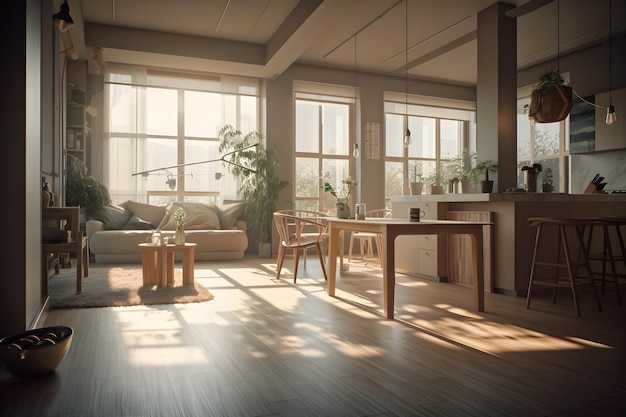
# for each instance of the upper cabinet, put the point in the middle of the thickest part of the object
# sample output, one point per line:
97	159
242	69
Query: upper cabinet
614	136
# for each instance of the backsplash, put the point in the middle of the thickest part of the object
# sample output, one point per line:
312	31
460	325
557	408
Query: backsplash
610	165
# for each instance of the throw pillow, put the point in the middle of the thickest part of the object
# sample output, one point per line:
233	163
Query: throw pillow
230	213
137	223
147	212
198	216
113	217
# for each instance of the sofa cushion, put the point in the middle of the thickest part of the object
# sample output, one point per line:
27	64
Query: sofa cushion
147	212
230	213
113	217
198	216
137	223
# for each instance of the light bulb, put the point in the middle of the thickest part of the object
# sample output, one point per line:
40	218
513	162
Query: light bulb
407	138
355	150
611	116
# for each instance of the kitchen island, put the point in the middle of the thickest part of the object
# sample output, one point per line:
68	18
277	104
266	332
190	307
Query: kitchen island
512	239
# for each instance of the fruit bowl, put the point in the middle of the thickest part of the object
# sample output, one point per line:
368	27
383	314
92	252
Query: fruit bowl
36	351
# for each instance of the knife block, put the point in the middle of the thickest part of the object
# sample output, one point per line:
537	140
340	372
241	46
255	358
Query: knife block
592	189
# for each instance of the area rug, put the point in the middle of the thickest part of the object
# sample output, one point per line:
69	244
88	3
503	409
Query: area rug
114	286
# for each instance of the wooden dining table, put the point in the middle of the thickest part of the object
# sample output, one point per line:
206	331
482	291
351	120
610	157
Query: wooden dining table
392	228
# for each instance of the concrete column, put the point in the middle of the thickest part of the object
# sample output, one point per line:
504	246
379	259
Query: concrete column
496	93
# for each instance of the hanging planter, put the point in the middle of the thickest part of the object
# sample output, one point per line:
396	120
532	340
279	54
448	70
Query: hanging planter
551	100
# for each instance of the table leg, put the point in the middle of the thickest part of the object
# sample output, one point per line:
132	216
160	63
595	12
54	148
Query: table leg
188	266
478	269
149	260
389	272
333	236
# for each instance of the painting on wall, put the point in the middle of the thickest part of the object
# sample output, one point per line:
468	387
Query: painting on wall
582	125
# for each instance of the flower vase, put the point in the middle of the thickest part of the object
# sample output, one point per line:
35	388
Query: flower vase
179	237
343	210
531	181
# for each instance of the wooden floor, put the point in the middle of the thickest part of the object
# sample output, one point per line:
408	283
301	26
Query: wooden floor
267	347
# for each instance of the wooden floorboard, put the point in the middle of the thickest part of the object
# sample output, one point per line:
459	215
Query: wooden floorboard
267	348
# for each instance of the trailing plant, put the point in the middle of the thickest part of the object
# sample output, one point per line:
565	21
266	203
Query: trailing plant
82	189
548	80
255	168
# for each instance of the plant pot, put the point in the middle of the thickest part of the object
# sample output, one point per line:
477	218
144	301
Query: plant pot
265	250
466	185
343	210
551	105
486	186
436	189
417	188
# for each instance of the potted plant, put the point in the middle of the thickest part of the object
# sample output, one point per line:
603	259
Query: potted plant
484	167
532	173
342	194
547	181
82	189
416	178
254	167
461	169
551	99
436	180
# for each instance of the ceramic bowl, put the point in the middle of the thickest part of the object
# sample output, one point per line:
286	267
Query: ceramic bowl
31	358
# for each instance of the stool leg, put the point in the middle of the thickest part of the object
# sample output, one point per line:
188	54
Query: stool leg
532	266
585	254
608	250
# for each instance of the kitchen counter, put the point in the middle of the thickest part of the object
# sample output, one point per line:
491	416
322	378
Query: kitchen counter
513	239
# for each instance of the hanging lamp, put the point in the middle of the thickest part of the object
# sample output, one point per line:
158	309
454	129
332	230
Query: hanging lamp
407	133
63	20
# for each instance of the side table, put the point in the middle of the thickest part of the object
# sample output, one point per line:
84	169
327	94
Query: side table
158	263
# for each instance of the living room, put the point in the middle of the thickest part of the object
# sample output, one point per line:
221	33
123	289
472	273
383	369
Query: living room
35	106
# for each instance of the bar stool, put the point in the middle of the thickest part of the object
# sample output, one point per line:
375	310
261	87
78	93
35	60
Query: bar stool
608	254
564	258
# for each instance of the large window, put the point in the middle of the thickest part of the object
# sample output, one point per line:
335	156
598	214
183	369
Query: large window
323	143
437	135
157	121
544	144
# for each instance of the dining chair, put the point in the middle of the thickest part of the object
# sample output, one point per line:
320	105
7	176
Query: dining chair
291	230
367	240
310	231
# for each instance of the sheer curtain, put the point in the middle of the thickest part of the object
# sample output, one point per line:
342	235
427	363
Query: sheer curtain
155	120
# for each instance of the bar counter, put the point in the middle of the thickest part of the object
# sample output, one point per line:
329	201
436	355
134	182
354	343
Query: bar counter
513	239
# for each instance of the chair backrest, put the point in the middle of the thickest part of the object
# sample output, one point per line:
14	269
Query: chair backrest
291	228
379	213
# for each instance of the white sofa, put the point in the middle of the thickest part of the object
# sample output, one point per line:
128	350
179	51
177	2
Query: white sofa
115	231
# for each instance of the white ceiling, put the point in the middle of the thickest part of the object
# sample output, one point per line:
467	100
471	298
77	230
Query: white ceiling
262	38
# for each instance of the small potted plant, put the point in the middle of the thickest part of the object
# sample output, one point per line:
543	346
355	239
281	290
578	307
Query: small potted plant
484	168
341	194
179	217
436	180
461	169
547	181
416	178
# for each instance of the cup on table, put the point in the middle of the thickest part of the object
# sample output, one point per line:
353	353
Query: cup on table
359	211
415	214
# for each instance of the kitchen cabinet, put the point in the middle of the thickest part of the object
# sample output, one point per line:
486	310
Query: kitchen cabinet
76	118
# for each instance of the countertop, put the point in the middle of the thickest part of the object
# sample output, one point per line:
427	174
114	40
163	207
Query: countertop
509	197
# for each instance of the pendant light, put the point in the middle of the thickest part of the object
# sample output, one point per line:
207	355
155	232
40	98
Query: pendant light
611	117
407	133
355	149
63	20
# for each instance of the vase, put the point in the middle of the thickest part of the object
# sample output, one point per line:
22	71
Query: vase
343	210
531	181
179	236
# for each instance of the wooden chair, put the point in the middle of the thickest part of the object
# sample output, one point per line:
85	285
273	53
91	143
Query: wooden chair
292	237
76	243
366	239
310	231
